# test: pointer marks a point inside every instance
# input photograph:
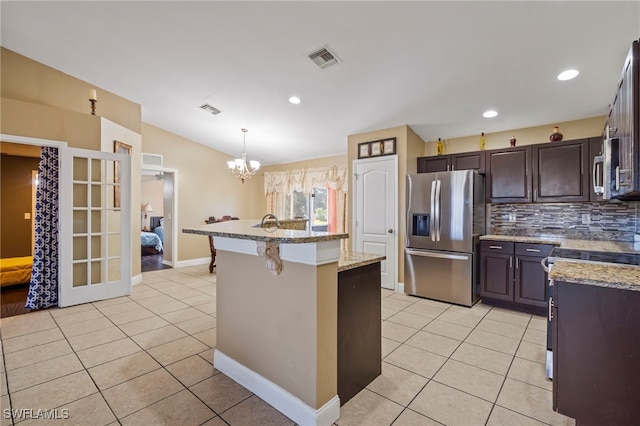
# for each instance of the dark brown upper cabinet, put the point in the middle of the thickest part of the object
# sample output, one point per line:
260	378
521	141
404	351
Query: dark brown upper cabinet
561	171
509	175
461	161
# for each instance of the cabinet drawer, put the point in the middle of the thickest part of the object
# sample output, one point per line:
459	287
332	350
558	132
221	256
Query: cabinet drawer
496	247
538	250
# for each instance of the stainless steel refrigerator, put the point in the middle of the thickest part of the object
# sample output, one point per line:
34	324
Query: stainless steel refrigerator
445	218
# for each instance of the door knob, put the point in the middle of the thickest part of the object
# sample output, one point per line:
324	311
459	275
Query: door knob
390	231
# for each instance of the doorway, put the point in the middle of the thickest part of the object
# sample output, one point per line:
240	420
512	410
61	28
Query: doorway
375	207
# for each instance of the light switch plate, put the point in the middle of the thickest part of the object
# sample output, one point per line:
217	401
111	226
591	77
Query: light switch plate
27	216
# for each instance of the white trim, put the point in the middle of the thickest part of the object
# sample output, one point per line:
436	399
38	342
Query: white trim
400	287
280	399
193	262
31	141
136	279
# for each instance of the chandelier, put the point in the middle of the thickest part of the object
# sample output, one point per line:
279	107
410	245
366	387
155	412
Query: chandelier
239	166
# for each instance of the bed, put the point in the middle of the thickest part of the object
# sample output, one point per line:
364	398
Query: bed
153	241
15	270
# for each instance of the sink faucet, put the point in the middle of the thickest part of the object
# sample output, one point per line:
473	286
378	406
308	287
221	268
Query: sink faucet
269	216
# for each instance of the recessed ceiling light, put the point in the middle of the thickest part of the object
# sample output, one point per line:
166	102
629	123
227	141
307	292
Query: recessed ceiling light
489	114
294	100
568	75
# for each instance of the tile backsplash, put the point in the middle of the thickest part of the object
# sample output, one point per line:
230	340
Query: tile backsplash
592	221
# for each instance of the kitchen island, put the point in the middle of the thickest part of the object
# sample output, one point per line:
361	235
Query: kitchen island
278	314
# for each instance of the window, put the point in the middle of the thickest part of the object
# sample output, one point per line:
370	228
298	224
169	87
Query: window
316	207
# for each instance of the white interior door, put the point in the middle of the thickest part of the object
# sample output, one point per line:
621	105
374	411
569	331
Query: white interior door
95	226
375	212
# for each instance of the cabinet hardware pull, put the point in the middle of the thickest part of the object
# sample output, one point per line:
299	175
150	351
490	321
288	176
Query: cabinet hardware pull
510	262
533	250
496	247
517	262
550	308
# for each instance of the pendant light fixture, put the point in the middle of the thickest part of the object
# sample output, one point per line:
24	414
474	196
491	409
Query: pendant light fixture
239	166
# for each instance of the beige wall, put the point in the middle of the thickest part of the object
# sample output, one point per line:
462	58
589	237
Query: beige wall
577	129
205	186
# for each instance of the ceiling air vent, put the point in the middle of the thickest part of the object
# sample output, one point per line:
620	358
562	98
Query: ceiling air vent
210	109
323	58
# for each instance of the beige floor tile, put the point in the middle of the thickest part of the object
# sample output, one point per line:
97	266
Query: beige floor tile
220	392
493	341
198	324
254	411
99	337
160	299
478	309
538	337
182	315
192	370
530	401
503	417
390	302
425	310
3	384
174	289
532	352
32	339
146	293
405	297
36	354
182	408
143	325
208	337
433	343
122	369
107	352
473	380
368	408
153	277
111	302
5	404
76	329
58	312
158	336
385	292
198	300
133	395
538	323
397	384
501	328
450	406
434	303
79	317
397	332
209	308
55	393
177	350
163	308
411	418
387	313
188	293
91	409
25	324
529	372
207	356
511	317
34	374
466	319
124	306
487	359
448	329
416	360
410	320
388	346
130	316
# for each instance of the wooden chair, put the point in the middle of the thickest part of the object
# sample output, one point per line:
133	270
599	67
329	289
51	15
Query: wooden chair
212	219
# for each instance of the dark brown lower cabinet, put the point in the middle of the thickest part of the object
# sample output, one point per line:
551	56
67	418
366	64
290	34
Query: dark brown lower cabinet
359	329
511	275
596	355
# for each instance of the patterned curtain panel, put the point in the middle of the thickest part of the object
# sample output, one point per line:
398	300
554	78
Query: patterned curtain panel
43	288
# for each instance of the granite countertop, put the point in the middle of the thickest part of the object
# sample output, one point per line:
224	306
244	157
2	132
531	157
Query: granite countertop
247	230
584	271
596	273
353	259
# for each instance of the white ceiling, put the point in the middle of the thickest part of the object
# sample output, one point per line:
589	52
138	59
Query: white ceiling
435	66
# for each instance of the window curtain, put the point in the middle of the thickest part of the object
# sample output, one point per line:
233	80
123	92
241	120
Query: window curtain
43	287
278	184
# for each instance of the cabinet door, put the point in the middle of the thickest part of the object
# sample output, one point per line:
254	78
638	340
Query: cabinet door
595	149
509	175
530	284
560	172
439	163
496	279
468	161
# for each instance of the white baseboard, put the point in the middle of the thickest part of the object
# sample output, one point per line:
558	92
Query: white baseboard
136	279
283	401
192	262
400	287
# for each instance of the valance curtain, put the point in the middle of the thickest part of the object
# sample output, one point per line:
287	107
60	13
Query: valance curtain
277	185
43	288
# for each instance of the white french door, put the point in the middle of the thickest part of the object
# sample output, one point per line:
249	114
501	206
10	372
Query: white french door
375	210
95	226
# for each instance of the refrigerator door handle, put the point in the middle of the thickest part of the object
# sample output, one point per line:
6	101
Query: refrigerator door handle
440	255
433	212
438	209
